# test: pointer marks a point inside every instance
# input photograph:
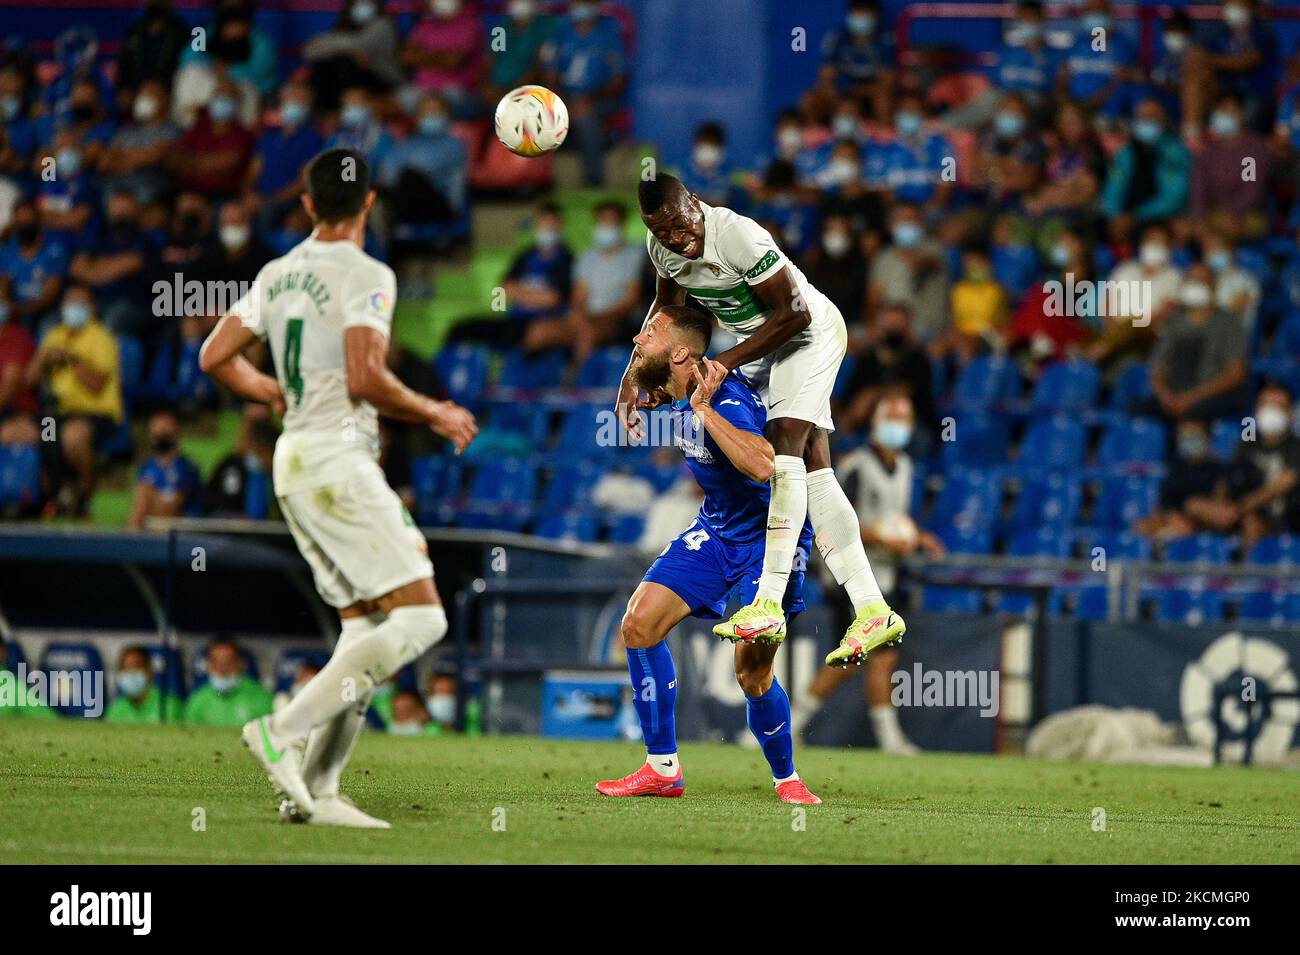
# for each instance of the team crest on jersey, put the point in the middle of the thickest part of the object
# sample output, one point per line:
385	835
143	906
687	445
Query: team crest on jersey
715	269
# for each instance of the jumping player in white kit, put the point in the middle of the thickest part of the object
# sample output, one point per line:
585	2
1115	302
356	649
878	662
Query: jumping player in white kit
792	341
326	309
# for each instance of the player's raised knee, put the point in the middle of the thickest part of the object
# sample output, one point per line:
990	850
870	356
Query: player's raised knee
754	678
638	631
423	625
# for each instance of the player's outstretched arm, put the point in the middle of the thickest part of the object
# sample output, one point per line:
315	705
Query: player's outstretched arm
787	316
751	453
370	379
221	358
629	401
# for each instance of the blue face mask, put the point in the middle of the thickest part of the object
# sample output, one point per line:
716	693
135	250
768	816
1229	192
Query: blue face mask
68	161
583	13
1008	125
224	683
908	124
607	236
1224	124
1095	21
293	114
1219	260
432	125
132	682
363	12
355	115
1146	130
221	109
75	314
860	24
1060	255
894	435
906	234
9	107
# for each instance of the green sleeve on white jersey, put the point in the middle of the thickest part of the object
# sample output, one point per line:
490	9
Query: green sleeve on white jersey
749	249
369	299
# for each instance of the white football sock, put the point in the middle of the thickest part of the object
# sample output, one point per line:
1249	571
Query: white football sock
665	764
839	538
330	745
356	669
786	512
777	782
884	721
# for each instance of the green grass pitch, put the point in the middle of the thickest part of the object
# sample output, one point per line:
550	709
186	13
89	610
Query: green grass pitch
81	792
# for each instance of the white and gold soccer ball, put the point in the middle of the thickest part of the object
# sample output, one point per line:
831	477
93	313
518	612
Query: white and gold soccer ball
531	120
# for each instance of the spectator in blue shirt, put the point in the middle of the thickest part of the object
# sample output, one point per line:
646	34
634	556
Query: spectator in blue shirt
857	61
1149	178
113	266
168	483
68	199
1165	79
85	120
33	266
1026	65
425	173
275	174
1097	69
1241	58
360	129
587	68
910	168
707	173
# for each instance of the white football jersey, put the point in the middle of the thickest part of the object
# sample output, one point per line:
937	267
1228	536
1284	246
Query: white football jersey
301	303
738	254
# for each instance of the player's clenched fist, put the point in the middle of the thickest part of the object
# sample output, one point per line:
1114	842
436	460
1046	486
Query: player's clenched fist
454	423
706	382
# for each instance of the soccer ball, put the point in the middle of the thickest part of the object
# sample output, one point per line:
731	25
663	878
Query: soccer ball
531	120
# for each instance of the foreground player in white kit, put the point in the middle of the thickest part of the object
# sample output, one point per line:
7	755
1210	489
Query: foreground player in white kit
792	341
326	308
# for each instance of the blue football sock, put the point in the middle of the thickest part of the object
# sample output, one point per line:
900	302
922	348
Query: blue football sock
769	721
654	694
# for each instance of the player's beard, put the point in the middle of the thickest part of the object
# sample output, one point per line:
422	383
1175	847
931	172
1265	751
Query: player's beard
653	373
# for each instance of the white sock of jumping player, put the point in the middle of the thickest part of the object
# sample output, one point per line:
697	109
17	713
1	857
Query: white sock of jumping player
330	745
786	512
839	539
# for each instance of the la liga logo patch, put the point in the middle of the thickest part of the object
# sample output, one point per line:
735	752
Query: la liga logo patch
379	302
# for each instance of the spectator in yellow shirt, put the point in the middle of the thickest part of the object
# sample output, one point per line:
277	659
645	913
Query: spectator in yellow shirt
78	365
979	307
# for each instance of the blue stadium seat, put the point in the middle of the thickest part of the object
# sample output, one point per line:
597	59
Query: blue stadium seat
1032	542
582	425
20	476
71	658
530	421
542	371
288	662
463	369
1190	606
1281	549
1225	436
13	656
1135	444
436	480
1049	501
987	381
1057	442
1123	500
1199	548
1092	599
1286	340
1066	386
624	528
979	439
568	525
1268	606
570	486
501	495
969	501
604	368
168	670
944	598
130	357
1133	384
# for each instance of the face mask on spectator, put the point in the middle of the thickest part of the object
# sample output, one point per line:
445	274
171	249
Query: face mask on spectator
1235	15
9	107
222	109
163	444
860	24
521	9
906	234
433	125
836	243
894	435
1022	34
145	109
224	683
841	171
1008	125
405	729
442	707
363	12
75	314
1224	123
1193	446
908	123
547	238
293	113
354	115
233	236
1272	421
582	12
1146	130
1060	255
27	233
68	161
607	236
83	112
1176	42
844	127
1195	295
1219	259
1095	21
252	463
707	155
444	8
132	683
788	141
1153	255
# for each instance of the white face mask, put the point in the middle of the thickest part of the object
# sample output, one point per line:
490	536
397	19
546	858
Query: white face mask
146	107
1176	42
1153	255
836	243
788	141
1272	421
442	707
842	171
1196	295
1235	15
444	8
707	155
233	236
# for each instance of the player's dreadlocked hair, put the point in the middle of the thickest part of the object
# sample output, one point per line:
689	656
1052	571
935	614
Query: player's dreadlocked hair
653	194
694	324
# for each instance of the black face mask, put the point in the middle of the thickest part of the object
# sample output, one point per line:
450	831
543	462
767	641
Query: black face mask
165	444
122	226
232	50
83	114
191	225
27	234
895	340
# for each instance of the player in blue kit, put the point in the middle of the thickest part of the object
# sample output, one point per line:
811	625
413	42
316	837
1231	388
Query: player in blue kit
720	431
